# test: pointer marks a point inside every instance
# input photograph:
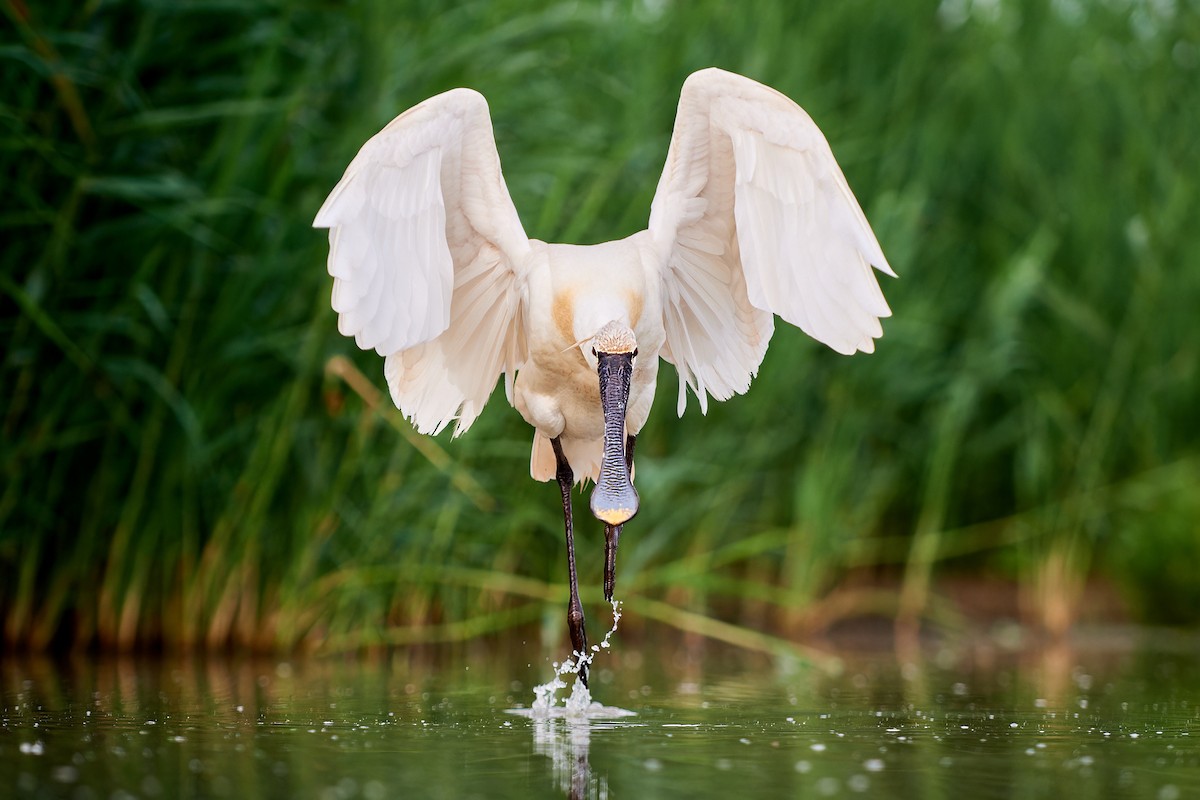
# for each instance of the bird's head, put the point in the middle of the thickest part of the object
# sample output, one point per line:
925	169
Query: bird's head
614	339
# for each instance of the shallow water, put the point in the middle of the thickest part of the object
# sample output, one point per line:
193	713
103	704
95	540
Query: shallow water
1118	722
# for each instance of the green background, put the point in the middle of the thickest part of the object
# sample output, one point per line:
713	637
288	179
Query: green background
191	457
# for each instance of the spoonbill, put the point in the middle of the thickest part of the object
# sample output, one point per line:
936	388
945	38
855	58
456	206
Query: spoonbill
433	270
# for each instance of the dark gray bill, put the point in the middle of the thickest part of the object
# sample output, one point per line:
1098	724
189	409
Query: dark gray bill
614	500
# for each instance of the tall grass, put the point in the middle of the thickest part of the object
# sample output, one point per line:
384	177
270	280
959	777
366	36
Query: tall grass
193	458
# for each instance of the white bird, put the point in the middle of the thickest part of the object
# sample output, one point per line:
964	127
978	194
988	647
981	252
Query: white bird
433	270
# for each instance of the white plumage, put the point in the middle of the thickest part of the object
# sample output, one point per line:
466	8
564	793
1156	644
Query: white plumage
433	270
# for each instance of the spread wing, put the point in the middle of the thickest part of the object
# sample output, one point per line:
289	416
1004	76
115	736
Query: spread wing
753	217
427	255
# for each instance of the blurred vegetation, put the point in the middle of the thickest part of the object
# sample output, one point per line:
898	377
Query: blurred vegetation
191	456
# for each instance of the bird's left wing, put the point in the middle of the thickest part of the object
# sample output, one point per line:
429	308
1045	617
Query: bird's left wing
752	217
428	255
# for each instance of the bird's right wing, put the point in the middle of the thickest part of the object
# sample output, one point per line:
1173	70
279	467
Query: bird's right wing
753	217
428	255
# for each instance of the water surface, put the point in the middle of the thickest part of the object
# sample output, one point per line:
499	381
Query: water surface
1109	722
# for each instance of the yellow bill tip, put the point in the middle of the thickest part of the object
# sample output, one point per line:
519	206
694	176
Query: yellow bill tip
614	516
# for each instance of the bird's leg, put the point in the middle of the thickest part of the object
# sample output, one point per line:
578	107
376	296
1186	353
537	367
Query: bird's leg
574	610
612	533
612	536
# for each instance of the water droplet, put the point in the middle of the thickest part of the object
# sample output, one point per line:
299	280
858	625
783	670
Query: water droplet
64	774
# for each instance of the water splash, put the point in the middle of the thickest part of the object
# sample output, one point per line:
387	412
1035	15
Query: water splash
579	703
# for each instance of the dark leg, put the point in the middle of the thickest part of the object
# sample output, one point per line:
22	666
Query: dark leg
574	610
612	533
612	536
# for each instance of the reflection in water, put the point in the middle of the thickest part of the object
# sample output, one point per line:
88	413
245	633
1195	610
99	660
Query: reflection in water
1118	721
565	741
563	733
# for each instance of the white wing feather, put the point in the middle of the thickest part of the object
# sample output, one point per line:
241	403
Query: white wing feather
427	254
752	217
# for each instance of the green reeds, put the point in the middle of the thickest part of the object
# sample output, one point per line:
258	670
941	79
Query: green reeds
193	458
